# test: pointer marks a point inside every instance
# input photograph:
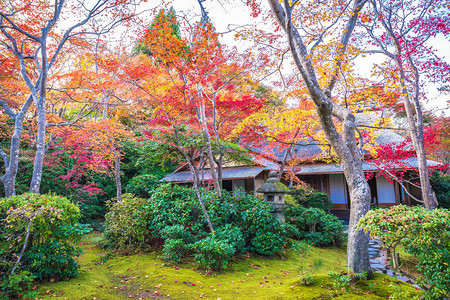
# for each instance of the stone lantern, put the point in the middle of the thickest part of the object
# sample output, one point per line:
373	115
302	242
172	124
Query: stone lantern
274	191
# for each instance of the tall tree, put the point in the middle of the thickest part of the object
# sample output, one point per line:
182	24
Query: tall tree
308	24
401	31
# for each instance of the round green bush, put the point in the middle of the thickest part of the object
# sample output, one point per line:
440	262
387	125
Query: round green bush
315	225
308	197
213	253
232	235
126	222
267	243
174	250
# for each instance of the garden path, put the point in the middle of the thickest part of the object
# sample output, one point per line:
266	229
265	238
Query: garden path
378	261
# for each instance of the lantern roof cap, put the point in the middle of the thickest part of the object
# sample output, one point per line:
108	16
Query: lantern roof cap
273	185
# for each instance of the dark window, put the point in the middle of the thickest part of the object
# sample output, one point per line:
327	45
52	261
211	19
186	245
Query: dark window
227	185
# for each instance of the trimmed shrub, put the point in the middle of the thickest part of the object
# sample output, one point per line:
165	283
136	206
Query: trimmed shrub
142	185
177	232
177	243
315	225
126	222
174	250
177	205
267	243
53	259
308	197
213	253
232	235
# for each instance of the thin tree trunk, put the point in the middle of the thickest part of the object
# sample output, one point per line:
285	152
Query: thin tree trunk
196	179
117	175
210	155
415	124
27	235
417	137
286	155
40	149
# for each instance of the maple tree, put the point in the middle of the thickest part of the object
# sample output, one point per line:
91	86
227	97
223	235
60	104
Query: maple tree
93	145
439	133
95	87
32	32
188	82
400	30
282	131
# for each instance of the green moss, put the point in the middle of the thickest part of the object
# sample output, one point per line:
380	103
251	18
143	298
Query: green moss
139	275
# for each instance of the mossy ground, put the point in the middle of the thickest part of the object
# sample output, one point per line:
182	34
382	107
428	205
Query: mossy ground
148	276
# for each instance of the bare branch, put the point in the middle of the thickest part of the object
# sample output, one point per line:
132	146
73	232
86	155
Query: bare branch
5	157
8	110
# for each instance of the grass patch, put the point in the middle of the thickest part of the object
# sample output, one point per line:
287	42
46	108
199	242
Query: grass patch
148	276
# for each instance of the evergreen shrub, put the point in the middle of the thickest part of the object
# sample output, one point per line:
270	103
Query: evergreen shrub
308	197
51	225
126	222
173	214
315	225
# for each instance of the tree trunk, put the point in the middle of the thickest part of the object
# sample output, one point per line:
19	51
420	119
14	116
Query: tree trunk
117	175
351	161
39	101
415	124
358	241
210	155
196	179
416	134
35	185
12	164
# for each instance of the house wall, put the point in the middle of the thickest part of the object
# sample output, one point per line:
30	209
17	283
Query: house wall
338	192
385	192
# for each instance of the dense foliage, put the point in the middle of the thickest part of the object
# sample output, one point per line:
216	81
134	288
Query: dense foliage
45	227
441	186
124	224
423	233
173	214
18	285
308	197
315	225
